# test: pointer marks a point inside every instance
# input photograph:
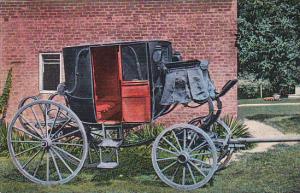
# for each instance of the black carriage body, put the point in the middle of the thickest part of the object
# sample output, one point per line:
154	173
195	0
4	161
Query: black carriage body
84	78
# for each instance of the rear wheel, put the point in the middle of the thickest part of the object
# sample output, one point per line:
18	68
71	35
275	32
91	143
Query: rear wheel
42	139
184	157
224	134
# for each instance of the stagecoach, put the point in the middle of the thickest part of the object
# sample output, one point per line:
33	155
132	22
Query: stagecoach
109	91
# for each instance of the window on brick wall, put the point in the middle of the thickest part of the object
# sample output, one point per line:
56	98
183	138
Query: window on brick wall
50	71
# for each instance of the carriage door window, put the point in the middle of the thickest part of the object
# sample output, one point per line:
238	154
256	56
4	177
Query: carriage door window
134	62
135	84
50	71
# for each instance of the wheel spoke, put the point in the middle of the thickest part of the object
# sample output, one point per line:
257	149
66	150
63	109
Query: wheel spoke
27	150
55	164
166	150
191	142
184	139
46	121
68	134
47	166
17	141
183	175
197	168
72	144
63	161
202	162
199	146
177	141
38	166
170	165
67	153
59	130
31	126
58	112
30	159
174	174
164	159
191	172
39	123
28	133
170	144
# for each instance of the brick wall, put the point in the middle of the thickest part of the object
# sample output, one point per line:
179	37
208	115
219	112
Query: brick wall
198	29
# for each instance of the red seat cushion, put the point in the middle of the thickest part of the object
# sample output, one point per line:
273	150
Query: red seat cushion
105	106
107	109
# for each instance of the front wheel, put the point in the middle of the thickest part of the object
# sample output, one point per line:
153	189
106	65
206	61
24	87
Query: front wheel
184	157
42	139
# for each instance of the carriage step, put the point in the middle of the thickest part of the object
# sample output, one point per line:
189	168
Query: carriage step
107	165
110	143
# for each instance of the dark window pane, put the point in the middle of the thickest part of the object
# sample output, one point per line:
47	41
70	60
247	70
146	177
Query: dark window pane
51	75
134	62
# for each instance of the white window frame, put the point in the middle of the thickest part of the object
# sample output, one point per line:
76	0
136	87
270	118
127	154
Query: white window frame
41	71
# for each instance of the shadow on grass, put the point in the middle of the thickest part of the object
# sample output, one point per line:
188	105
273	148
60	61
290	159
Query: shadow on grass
135	164
261	117
284	123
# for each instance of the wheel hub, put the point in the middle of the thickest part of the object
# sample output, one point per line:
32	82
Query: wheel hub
183	157
46	143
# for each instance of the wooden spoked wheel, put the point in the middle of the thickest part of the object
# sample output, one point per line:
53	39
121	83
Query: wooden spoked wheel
42	139
223	132
184	157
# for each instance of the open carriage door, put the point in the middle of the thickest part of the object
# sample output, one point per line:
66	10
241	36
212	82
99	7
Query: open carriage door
135	86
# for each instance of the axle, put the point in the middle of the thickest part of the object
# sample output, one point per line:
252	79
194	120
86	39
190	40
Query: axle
264	140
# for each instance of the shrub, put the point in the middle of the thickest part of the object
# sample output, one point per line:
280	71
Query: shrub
146	132
249	86
5	95
3	136
238	129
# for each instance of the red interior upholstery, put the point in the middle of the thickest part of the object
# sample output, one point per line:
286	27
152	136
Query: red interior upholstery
106	110
106	84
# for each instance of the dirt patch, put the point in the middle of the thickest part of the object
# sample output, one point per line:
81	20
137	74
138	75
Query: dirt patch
261	130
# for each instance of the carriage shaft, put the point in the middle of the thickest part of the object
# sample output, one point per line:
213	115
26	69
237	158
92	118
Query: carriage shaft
264	140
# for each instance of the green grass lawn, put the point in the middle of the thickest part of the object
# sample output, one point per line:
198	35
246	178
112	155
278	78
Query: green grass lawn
250	111
285	118
261	101
273	171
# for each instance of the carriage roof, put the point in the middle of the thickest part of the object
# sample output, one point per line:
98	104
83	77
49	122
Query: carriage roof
120	43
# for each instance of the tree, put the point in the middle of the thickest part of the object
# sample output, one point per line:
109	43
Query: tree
269	40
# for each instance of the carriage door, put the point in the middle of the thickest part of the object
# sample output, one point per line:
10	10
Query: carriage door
135	88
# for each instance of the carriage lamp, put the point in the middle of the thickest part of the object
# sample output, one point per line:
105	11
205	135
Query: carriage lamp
176	56
157	54
61	88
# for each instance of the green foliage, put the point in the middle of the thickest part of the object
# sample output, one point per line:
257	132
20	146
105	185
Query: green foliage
3	135
238	128
146	132
269	40
249	86
5	94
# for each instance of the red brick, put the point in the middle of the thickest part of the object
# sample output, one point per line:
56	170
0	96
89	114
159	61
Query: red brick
198	29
